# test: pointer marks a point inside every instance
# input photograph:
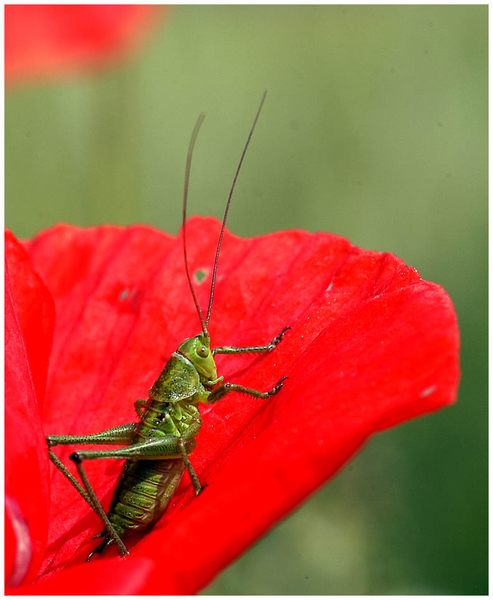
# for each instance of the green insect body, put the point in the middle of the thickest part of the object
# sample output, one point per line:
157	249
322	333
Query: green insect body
171	413
146	486
157	447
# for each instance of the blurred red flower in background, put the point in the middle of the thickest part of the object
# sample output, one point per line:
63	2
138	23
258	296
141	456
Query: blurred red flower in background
92	314
43	40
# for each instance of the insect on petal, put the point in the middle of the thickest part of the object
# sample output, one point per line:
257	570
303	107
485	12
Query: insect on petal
371	345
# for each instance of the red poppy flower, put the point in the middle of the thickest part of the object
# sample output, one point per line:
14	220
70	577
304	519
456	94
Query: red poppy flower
48	39
371	345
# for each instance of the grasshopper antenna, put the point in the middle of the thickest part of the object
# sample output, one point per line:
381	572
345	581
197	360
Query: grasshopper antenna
226	210
188	168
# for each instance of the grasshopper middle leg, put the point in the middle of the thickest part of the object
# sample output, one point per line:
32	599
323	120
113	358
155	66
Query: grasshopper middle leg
227	387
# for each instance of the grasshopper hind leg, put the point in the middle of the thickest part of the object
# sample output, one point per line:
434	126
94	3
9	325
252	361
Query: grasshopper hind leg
101	547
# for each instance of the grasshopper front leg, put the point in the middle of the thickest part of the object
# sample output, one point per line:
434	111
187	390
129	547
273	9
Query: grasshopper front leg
252	349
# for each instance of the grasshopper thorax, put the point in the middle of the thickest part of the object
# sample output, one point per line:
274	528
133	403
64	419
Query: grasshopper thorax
198	351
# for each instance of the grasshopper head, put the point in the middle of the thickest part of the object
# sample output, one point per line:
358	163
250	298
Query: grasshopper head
198	351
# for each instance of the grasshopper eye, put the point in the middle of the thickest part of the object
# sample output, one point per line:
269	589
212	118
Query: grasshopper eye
203	352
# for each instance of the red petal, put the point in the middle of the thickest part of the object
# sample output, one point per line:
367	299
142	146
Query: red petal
35	311
371	345
48	39
28	328
94	579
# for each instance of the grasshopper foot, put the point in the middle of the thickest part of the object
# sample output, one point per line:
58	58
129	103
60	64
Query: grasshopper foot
76	458
102	547
200	489
278	387
279	337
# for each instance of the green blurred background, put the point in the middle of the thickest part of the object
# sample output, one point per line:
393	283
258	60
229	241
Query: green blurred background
374	128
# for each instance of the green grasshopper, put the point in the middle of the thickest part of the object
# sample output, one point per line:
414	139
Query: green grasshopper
157	446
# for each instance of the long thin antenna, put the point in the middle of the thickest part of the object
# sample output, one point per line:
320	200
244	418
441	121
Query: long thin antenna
226	210
188	168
